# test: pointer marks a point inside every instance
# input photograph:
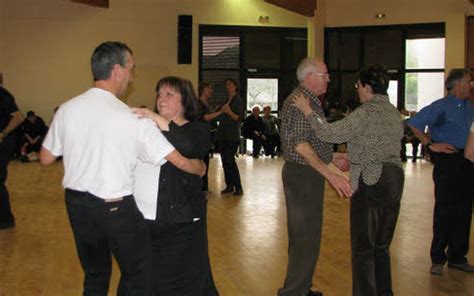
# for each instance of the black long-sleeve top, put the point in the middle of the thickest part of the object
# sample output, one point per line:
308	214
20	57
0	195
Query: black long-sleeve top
180	195
251	125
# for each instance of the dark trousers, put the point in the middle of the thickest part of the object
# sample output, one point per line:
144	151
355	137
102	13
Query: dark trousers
304	194
104	228
453	178
205	179
374	213
180	259
415	143
228	150
256	142
272	144
6	150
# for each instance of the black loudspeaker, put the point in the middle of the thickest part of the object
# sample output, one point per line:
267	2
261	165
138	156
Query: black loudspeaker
185	39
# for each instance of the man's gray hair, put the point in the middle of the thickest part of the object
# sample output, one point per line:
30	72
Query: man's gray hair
454	76
307	65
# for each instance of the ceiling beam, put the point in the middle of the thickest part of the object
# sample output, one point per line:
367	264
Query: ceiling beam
304	7
97	3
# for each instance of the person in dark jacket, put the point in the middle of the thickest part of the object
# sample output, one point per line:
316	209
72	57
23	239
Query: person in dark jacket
252	129
177	219
33	131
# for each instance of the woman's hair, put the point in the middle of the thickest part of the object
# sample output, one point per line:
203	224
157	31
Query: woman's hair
377	77
188	96
234	82
202	86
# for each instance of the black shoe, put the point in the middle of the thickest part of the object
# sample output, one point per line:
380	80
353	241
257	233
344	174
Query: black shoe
227	190
7	225
466	267
238	191
315	293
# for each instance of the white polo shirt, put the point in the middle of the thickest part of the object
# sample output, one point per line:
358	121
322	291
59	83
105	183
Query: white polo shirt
101	141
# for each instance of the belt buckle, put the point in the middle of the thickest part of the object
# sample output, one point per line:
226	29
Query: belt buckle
116	199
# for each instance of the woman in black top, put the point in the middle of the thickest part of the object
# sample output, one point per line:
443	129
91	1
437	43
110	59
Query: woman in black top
179	234
205	92
228	137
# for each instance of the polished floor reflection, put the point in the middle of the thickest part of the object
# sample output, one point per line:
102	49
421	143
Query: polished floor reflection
247	237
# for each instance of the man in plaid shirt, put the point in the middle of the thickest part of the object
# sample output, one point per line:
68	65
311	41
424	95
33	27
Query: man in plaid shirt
304	174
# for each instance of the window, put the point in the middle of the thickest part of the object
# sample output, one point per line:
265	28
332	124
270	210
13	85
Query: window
262	92
412	54
424	80
247	53
393	92
220	60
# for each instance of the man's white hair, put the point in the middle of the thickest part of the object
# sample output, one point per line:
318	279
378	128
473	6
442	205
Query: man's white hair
307	65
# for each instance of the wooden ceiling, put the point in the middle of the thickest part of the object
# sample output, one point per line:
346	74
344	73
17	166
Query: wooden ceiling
304	7
98	3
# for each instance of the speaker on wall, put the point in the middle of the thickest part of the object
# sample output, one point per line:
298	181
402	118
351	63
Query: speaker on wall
185	38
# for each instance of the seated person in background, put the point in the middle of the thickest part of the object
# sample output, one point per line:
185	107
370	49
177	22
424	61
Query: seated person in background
271	127
252	129
34	130
409	137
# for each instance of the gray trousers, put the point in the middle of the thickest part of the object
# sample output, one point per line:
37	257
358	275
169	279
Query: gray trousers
304	193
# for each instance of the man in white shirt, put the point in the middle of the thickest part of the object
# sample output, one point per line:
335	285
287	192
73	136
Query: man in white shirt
101	141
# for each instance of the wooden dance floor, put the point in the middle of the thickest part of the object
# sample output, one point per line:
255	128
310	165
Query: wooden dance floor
247	237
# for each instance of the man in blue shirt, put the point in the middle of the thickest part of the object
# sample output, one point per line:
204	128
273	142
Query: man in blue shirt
448	120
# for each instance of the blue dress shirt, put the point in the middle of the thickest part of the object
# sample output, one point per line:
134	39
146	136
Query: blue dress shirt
448	120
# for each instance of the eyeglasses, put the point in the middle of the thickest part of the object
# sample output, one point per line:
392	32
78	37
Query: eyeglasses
324	75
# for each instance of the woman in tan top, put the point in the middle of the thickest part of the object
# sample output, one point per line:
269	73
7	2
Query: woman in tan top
373	133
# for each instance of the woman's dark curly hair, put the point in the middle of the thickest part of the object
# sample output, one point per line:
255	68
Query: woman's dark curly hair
377	77
188	96
202	86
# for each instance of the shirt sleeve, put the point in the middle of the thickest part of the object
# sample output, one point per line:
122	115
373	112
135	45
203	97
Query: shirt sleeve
192	142
10	105
301	128
423	118
53	140
239	108
342	130
153	147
